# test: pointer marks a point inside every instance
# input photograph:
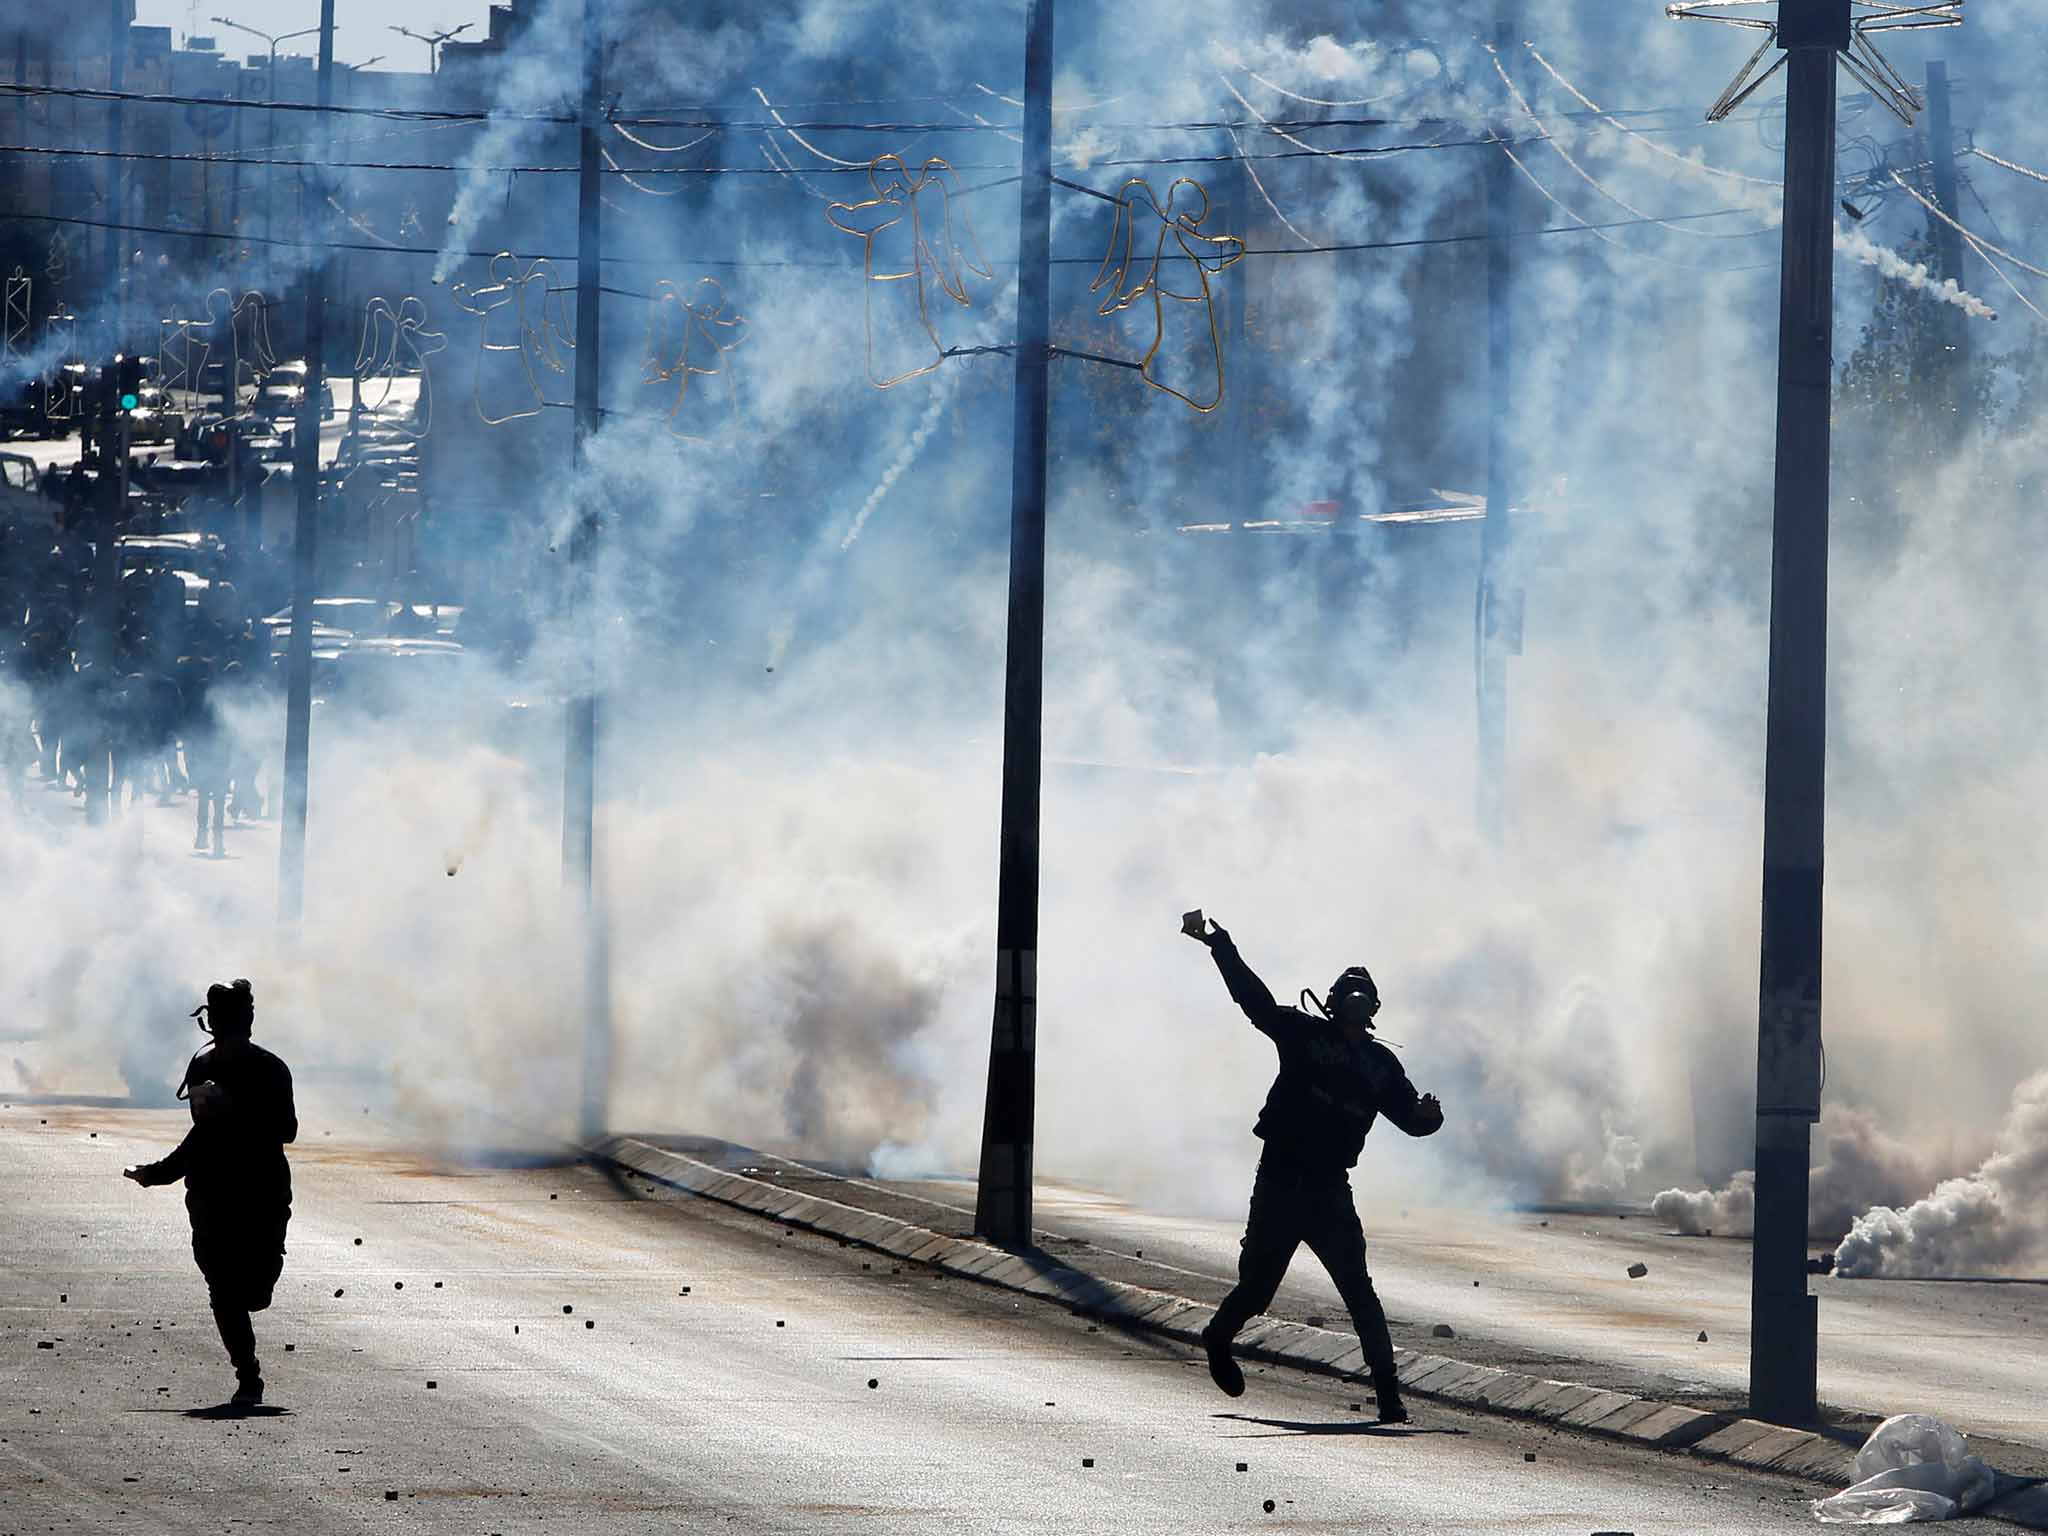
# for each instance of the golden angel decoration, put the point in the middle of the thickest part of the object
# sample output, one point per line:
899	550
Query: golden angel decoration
919	250
525	330
687	339
1159	253
397	344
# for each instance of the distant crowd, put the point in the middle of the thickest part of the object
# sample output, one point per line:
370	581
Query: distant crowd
113	717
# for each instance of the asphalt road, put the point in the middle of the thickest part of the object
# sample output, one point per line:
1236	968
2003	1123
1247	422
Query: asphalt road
724	1384
1550	1293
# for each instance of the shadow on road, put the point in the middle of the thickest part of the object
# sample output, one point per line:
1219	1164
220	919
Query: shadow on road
1338	1427
238	1411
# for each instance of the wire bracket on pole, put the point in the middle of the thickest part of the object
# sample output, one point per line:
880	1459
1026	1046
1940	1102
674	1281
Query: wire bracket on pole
1138	266
687	339
520	314
1859	56
908	228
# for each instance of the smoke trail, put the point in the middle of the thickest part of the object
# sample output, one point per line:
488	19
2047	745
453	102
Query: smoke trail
1990	1222
927	423
1854	244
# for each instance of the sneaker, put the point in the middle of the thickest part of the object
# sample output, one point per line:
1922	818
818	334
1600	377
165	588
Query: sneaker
248	1391
1223	1369
1392	1409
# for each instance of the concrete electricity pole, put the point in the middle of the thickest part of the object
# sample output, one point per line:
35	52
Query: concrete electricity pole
1813	37
1002	1202
579	757
1953	326
298	664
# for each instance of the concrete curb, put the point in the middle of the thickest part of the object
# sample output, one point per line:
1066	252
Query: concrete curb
1616	1415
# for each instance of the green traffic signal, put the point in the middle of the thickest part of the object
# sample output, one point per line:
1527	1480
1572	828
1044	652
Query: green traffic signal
130	401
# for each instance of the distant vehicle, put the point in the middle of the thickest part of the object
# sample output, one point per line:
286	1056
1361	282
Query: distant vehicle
19	497
206	437
155	419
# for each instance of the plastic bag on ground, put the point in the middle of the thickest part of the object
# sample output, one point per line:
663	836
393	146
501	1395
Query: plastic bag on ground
1912	1467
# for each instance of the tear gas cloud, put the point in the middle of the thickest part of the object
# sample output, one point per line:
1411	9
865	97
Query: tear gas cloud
802	641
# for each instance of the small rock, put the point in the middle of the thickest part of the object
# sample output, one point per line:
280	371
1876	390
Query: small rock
1528	1455
391	1493
778	1322
437	1285
359	1242
1087	1461
1267	1506
432	1384
1357	1407
337	1290
590	1322
1542	1223
1475	1285
1703	1336
873	1383
398	1285
515	1327
290	1348
1636	1271
1443	1331
554	1197
44	1344
684	1291
567	1309
63	1296
1244	1466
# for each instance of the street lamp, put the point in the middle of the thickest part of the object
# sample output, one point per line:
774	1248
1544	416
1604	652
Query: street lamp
434	40
269	115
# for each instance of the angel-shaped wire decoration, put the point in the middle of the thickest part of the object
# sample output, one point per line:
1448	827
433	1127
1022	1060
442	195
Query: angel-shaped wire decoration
250	354
182	347
687	338
57	266
912	249
1139	266
396	344
525	329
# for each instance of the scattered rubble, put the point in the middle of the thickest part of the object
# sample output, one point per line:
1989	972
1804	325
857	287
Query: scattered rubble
1268	1506
1443	1331
1637	1270
1703	1336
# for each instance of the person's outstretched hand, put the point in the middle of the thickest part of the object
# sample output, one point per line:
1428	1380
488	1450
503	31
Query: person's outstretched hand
1431	1108
132	1173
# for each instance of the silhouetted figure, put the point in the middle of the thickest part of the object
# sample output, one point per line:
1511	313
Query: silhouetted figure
238	1186
1334	1081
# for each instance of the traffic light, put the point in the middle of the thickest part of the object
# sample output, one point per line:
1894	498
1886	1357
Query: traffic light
128	387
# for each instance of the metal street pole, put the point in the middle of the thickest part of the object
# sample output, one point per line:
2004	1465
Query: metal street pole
1784	1318
1953	327
117	192
579	757
298	713
1002	1202
1491	619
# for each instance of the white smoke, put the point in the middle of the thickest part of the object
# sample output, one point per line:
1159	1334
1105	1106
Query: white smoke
1990	1222
1858	246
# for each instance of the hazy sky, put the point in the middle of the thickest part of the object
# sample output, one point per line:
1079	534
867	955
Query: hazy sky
362	28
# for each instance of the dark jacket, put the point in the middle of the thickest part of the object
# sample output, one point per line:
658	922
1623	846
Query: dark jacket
1329	1091
236	1161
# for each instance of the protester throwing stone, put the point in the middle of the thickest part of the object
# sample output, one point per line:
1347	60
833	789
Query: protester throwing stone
238	1186
1335	1080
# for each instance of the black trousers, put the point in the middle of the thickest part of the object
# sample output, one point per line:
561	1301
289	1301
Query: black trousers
1292	1206
241	1256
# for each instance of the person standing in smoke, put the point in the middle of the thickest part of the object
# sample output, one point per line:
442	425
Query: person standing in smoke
238	1186
1335	1081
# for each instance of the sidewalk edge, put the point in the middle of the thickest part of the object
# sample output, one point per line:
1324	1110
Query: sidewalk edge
1641	1421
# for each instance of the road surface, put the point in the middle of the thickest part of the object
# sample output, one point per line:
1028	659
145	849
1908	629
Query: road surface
725	1383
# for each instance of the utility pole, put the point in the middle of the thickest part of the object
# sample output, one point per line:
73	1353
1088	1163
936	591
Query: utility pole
117	193
298	710
1002	1202
1493	618
1952	325
579	757
1784	1318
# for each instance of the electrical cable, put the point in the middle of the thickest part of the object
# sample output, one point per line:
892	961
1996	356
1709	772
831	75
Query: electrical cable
830	159
660	149
1985	154
1975	239
389	114
1252	172
1588	177
2003	278
1649	143
1281	90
